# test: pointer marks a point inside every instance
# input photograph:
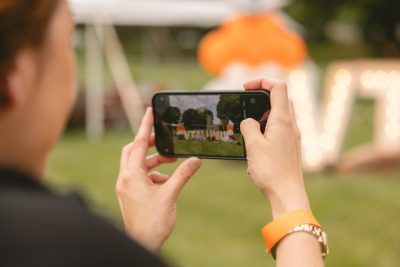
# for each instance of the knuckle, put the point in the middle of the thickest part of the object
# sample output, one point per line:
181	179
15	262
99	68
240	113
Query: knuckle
123	183
244	122
126	148
119	188
284	119
281	84
247	123
139	142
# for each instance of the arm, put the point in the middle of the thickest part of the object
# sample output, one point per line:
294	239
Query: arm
274	164
148	199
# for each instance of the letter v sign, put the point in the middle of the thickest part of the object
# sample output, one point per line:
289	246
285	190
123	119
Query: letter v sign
323	127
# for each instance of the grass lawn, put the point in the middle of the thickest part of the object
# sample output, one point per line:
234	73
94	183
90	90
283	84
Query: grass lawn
220	212
207	148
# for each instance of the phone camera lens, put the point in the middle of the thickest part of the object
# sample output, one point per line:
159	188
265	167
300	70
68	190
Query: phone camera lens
253	101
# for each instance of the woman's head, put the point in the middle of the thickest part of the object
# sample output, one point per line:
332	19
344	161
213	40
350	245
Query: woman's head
36	78
22	23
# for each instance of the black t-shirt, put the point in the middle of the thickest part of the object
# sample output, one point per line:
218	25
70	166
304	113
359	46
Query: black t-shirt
41	228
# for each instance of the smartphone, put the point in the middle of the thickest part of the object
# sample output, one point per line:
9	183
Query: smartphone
206	124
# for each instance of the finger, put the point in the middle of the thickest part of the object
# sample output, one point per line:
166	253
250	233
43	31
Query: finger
251	132
146	125
253	84
158	178
293	116
278	89
155	160
181	176
260	83
126	151
142	139
152	141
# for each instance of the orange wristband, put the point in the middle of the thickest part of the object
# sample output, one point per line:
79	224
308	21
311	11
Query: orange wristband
274	231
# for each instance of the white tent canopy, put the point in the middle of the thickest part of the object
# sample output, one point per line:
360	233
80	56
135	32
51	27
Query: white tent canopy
200	13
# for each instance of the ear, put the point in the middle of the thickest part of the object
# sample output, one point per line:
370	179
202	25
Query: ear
19	80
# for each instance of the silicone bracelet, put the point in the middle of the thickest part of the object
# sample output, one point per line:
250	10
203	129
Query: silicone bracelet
274	231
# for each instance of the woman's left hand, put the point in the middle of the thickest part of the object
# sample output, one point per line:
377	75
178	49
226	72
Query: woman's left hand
148	199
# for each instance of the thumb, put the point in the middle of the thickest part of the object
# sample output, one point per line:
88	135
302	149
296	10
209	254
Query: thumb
182	175
251	132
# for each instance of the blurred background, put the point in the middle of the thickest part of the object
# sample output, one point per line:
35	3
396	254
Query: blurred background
341	61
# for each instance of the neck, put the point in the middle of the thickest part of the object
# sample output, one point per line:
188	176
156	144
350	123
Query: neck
19	150
22	163
34	171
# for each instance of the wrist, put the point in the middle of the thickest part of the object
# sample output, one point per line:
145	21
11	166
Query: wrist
152	246
147	240
287	200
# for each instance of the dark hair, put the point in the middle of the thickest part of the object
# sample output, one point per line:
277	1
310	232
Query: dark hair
22	23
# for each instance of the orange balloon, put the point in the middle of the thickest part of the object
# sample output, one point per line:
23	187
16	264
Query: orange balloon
252	40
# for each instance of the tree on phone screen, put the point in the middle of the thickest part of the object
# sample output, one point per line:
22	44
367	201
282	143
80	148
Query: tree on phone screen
228	108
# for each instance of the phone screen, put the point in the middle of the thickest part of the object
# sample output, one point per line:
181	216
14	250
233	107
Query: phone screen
206	124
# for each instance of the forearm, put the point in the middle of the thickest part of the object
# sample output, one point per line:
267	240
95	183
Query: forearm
299	249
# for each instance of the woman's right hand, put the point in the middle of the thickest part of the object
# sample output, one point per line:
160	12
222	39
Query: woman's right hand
274	158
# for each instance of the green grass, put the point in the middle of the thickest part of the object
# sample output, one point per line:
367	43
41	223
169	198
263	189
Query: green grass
207	148
220	212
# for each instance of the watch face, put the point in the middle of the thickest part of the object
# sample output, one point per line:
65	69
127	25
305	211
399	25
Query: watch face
317	232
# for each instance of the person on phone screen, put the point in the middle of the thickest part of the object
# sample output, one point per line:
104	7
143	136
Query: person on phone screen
41	228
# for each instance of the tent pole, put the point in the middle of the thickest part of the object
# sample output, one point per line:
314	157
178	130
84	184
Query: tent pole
94	84
120	71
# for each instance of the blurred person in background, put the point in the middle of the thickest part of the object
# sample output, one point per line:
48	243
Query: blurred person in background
41	228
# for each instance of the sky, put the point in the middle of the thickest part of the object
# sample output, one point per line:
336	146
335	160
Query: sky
184	102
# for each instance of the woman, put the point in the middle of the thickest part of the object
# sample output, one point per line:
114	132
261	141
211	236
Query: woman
41	228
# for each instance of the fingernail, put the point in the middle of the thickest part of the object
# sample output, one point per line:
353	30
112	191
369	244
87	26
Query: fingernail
195	162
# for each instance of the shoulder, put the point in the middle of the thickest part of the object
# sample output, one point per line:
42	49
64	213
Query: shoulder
53	230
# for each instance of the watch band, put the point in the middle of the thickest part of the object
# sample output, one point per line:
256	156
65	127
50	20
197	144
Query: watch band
316	231
292	222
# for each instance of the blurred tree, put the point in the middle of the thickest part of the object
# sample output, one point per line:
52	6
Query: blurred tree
171	115
229	108
205	113
189	117
314	15
382	26
378	19
196	119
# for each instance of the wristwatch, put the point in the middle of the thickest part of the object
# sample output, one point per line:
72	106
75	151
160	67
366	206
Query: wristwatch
292	222
314	230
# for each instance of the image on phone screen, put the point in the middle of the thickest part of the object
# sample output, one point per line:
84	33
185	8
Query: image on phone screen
206	124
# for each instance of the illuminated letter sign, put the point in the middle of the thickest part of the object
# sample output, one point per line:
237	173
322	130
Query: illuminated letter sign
323	128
